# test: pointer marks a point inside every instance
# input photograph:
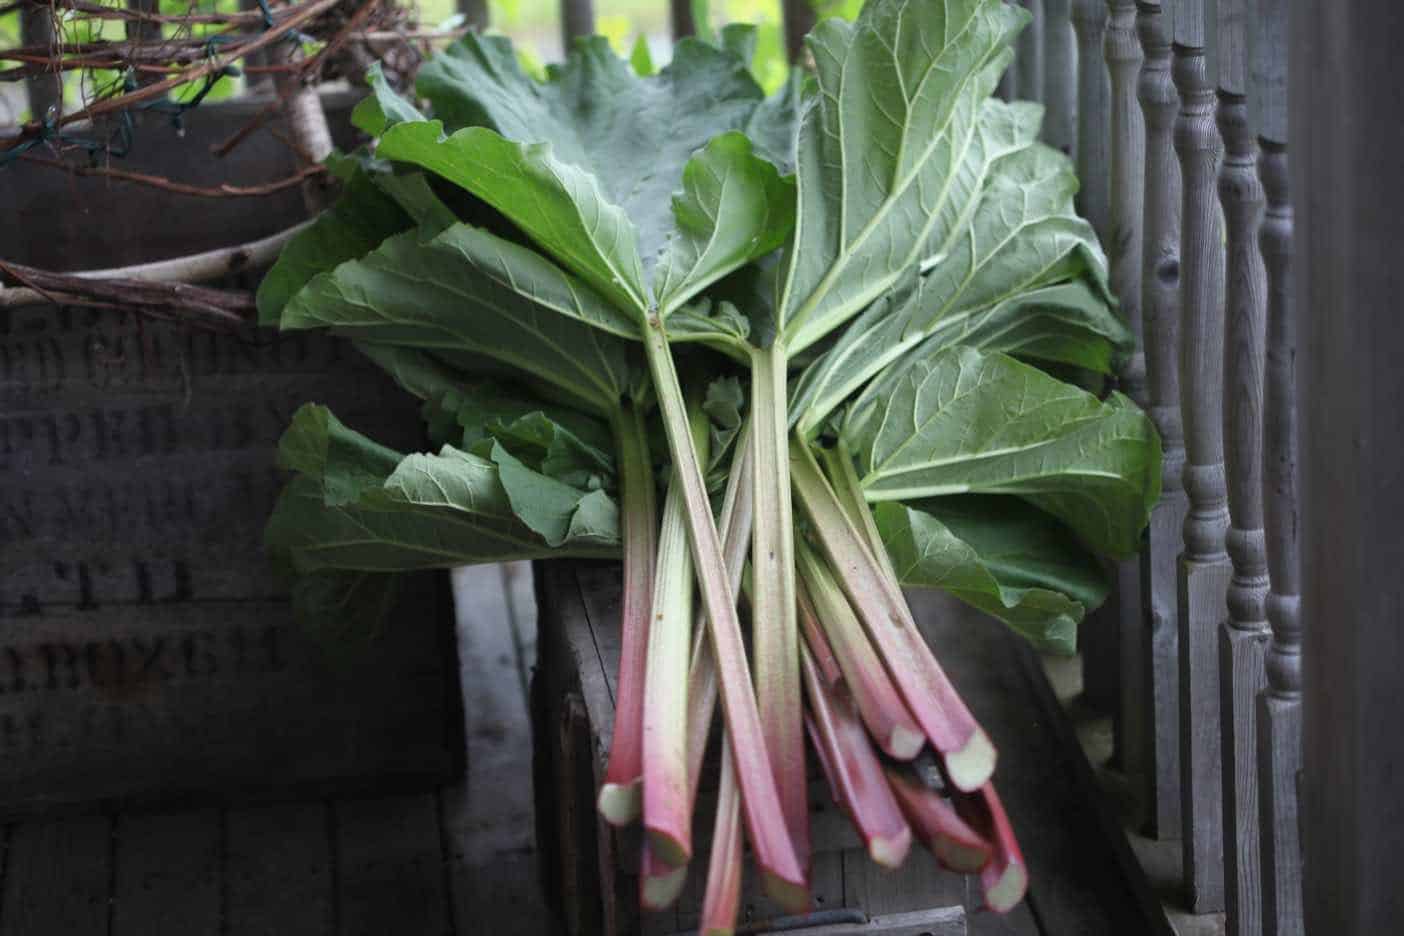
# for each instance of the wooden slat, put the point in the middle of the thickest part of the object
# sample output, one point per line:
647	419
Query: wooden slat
488	819
389	866
1059	76
1028	61
918	885
1243	639
1204	565
798	17
1279	706
1160	313
168	871
1084	878
278	871
58	878
577	20
1089	20
1346	140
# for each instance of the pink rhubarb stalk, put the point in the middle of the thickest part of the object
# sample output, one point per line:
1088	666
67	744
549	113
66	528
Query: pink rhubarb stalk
722	900
956	846
878	701
1005	879
620	800
783	875
856	772
965	749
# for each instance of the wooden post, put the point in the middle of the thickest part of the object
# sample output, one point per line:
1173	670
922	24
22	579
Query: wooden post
684	24
46	90
1160	312
1243	639
1204	565
577	19
1346	141
1059	76
799	20
475	14
1028	61
1123	245
1279	705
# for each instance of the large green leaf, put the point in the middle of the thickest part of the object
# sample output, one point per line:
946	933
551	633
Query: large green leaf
467	290
900	94
383	107
1001	555
958	420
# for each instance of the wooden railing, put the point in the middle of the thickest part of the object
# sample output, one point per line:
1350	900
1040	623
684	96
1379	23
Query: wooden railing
1179	153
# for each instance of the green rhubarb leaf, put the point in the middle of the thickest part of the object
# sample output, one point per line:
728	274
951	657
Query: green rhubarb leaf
959	420
558	513
733	208
341	605
343	461
774	123
641	58
900	94
469	291
1000	555
361	218
383	107
631	134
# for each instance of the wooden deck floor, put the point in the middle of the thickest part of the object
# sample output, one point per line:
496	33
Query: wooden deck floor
454	862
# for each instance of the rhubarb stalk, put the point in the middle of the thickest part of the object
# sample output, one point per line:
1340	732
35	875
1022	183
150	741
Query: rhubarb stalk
620	800
722	900
783	876
966	750
666	798
1005	878
774	629
855	771
956	846
877	699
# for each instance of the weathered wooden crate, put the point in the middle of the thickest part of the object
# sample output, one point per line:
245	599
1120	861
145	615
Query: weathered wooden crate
146	650
1085	880
594	871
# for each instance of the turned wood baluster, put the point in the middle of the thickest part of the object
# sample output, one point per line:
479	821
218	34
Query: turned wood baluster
1279	705
1160	314
1123	246
1089	19
1059	76
1204	565
1027	83
1243	639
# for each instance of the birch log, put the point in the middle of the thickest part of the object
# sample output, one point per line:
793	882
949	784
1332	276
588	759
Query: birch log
1243	639
1279	706
1204	565
1160	316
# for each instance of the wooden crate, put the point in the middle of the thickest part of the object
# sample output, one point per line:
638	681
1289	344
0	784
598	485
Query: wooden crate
591	868
146	651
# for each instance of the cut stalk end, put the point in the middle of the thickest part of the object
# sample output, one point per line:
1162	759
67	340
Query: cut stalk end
620	803
903	743
669	848
971	766
662	886
960	857
792	896
891	851
1005	892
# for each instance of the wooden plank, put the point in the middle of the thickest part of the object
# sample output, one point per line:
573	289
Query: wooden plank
58	878
168	874
1083	877
1243	639
1089	20
278	871
918	885
488	822
1160	311
1028	62
945	921
148	650
1345	155
389	866
1205	568
1059	77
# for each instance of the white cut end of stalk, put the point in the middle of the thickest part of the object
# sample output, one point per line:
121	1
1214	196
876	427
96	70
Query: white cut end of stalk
792	898
1008	890
972	766
661	891
962	859
620	803
904	743
891	851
